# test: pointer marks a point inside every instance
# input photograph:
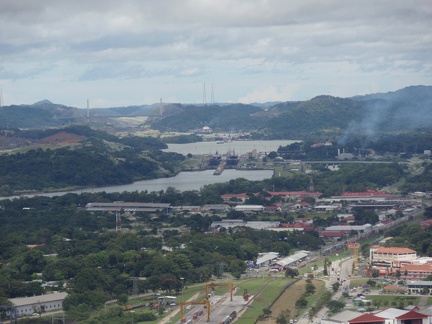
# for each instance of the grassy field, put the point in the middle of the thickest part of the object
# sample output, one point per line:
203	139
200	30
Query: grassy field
188	292
358	282
393	301
264	299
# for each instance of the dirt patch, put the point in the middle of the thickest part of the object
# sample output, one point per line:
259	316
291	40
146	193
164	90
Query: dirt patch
288	299
63	138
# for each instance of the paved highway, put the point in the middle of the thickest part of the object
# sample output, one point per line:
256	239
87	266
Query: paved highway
342	269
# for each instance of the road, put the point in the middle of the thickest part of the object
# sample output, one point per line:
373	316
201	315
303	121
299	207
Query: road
344	267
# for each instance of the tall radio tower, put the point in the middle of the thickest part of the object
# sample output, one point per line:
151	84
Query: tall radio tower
88	111
3	111
204	96
311	185
212	97
161	108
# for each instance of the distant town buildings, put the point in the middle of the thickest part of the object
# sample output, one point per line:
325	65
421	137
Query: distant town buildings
391	256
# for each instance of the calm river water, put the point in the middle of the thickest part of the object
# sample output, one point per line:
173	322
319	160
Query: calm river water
183	181
240	147
193	180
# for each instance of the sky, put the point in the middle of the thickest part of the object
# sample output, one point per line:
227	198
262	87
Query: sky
134	52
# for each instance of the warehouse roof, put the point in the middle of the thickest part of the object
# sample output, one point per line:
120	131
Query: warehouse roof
22	301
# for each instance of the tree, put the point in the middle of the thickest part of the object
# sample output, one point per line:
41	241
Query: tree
310	288
375	273
335	306
272	155
398	274
336	286
301	302
266	312
281	319
325	272
122	298
290	272
371	283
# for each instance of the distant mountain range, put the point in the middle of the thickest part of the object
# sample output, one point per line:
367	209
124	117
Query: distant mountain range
321	117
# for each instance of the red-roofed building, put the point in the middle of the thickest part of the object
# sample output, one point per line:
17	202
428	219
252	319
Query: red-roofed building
349	218
391	256
393	288
301	205
426	223
271	208
333	234
415	272
367	318
412	317
235	197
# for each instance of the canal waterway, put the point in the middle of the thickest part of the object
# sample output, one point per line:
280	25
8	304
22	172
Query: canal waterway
239	147
183	181
192	180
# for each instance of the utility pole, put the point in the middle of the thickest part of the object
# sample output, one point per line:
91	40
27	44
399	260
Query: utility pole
118	222
182	280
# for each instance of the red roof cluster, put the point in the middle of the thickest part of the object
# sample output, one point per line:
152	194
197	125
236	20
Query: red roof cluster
426	223
367	318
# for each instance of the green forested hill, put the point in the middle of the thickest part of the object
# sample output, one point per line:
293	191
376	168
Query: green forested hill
323	116
99	159
235	117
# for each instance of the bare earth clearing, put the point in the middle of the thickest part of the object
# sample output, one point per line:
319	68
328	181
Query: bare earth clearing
288	299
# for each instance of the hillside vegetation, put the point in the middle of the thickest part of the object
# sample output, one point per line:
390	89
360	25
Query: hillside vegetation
98	159
328	117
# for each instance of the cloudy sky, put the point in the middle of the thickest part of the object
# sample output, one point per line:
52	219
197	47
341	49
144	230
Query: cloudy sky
130	52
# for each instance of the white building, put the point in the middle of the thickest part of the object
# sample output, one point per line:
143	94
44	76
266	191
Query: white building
249	208
264	259
35	304
232	223
392	256
293	259
341	318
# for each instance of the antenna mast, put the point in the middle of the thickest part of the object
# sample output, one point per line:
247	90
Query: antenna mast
212	96
161	108
3	111
118	222
88	111
204	96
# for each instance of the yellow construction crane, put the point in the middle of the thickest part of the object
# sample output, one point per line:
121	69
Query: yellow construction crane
205	302
355	247
212	285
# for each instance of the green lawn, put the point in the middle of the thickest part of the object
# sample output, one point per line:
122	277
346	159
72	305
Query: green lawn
392	300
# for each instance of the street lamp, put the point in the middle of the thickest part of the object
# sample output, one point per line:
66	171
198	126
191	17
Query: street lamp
182	280
133	316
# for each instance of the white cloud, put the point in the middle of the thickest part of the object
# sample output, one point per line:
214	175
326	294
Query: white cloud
270	93
248	47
